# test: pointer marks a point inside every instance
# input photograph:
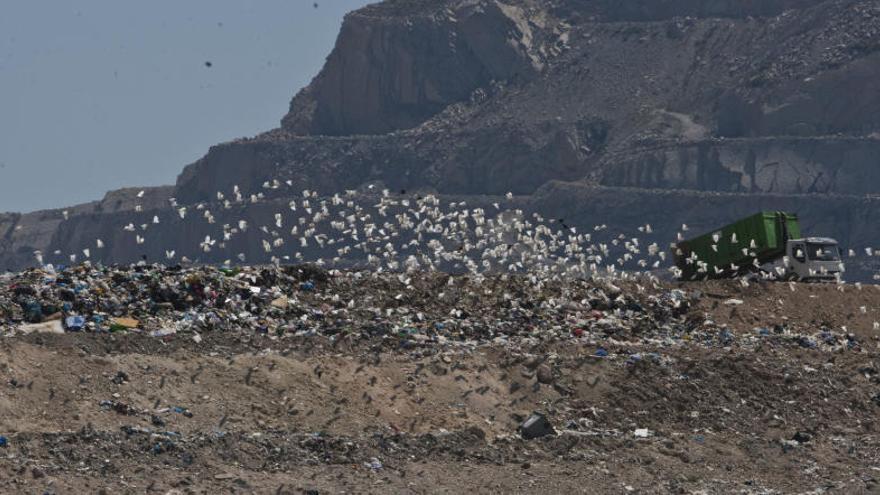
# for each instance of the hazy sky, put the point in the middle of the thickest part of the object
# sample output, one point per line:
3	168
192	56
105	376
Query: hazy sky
101	94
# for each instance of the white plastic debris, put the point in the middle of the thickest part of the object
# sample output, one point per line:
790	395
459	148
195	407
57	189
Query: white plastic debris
642	433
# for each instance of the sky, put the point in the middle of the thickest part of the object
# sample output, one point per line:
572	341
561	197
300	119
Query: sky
101	94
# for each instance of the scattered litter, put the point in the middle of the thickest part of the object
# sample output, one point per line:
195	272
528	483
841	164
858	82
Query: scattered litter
536	426
53	326
416	313
75	323
126	322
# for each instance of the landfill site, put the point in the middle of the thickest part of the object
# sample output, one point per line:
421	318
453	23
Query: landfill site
300	379
401	342
495	246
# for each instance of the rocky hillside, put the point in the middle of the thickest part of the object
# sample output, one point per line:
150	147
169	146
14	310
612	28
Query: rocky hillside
606	111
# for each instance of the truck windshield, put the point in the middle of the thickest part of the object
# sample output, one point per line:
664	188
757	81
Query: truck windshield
823	252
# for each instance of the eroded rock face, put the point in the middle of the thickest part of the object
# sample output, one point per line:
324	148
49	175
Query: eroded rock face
390	72
69	230
491	160
776	97
655	10
781	165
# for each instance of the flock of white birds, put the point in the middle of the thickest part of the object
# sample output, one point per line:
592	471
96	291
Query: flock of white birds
381	231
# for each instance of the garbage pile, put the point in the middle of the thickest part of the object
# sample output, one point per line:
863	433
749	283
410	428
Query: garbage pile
412	311
154	299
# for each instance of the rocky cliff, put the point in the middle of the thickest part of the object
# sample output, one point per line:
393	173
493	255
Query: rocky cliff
663	111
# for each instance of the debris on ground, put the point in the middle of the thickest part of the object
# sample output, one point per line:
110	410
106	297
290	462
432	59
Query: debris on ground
243	374
536	426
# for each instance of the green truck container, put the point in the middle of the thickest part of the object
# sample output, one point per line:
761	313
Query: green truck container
763	235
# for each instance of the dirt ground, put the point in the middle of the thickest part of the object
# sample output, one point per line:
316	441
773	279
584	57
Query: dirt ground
235	413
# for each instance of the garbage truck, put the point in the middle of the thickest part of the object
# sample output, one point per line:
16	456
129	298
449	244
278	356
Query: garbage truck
767	244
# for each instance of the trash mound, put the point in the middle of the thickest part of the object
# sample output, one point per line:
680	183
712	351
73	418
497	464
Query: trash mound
299	379
413	310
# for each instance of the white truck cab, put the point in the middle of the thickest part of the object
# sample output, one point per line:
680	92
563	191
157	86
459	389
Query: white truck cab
811	258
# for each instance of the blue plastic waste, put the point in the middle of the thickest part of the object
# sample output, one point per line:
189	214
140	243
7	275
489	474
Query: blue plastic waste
74	323
182	410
